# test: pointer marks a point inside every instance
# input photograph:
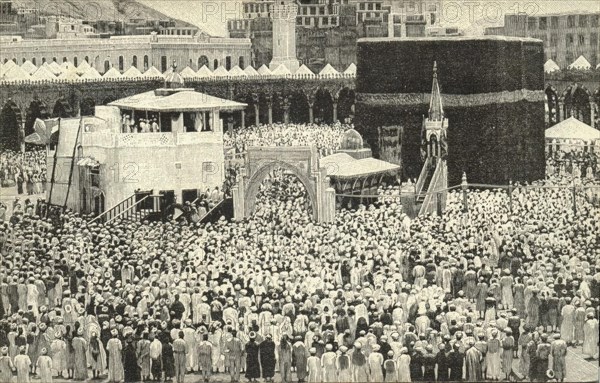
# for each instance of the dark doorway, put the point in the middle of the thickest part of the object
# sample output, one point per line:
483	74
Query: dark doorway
99	204
189	195
37	109
163	64
87	107
10	121
167	198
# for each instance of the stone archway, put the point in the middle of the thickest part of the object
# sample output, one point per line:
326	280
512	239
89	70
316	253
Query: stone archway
62	109
11	120
37	109
577	103
303	162
87	106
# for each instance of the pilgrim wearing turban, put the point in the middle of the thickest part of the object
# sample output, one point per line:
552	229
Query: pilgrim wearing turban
44	366
114	348
22	364
6	365
314	367
252	358
58	347
590	337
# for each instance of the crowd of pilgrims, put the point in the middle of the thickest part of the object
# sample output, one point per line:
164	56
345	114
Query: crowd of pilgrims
374	297
325	137
576	163
25	170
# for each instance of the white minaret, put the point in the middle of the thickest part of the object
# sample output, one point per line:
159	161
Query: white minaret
284	14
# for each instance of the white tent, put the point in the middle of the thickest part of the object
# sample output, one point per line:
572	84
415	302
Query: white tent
66	65
9	64
56	69
204	72
83	67
264	70
43	73
328	70
580	63
112	73
236	71
281	70
572	129
250	71
152	72
15	73
188	72
28	67
70	74
550	66
132	72
221	71
91	73
304	71
351	69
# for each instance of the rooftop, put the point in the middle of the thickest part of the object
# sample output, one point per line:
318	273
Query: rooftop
176	100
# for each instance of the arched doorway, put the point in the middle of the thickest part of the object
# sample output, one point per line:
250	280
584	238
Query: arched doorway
268	183
323	107
98	207
37	109
62	109
202	61
577	103
87	107
298	108
280	186
346	100
278	165
10	126
84	201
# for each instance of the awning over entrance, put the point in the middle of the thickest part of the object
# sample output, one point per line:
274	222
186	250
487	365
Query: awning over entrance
344	166
89	162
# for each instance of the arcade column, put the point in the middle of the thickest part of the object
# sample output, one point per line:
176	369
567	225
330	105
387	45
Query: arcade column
335	108
270	105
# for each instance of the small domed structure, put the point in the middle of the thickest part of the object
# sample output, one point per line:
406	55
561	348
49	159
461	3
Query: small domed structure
173	80
351	140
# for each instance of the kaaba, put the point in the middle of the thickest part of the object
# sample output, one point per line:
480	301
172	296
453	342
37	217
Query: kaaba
492	92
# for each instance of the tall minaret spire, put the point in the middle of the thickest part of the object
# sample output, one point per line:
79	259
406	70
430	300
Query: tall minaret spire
436	109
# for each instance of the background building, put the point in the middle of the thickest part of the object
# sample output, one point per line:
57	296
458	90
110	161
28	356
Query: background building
566	36
143	52
327	30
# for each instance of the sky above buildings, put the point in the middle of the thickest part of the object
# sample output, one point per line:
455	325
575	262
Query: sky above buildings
470	15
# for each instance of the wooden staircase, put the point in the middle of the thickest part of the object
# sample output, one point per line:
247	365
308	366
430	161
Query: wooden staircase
431	188
133	208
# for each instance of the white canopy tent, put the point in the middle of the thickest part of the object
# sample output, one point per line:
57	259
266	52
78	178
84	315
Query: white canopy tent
581	63
550	66
571	134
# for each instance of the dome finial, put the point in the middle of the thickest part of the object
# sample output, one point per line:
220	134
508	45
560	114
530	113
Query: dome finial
435	69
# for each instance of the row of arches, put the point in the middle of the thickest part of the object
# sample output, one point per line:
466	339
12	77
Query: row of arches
297	107
575	101
16	124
